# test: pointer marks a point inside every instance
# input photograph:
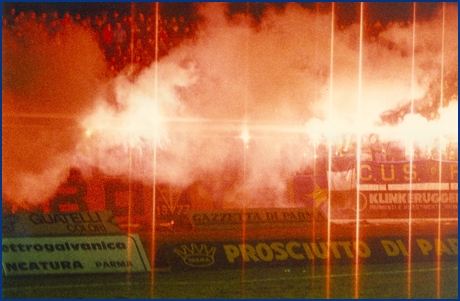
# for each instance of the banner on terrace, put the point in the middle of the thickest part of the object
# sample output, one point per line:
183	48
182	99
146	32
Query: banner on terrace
425	189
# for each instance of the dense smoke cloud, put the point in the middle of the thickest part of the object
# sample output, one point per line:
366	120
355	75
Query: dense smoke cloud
48	84
180	120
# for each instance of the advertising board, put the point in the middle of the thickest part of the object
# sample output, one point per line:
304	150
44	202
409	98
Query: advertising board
297	252
73	255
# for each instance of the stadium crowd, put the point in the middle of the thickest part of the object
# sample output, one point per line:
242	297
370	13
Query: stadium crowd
374	148
124	39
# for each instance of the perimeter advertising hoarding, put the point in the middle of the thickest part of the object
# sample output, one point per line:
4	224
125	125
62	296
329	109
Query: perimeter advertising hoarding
419	189
298	252
73	255
251	218
60	224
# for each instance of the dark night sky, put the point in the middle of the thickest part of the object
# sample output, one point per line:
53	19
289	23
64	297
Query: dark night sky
347	12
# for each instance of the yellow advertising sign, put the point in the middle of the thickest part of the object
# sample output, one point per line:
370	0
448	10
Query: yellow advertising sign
251	218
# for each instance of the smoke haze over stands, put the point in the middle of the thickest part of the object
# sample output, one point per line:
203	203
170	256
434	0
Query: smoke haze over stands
273	68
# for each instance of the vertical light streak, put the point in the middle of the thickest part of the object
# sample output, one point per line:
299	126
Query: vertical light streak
329	142
313	238
358	147
157	19
130	204
441	96
130	167
245	149
154	184
411	159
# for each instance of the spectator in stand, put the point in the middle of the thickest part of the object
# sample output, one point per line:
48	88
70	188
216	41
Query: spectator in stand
150	46
124	24
30	24
350	148
55	29
182	25
135	31
149	33
120	36
32	17
158	19
165	24
141	27
421	152
77	20
22	18
188	33
87	22
193	31
174	36
107	40
105	19
114	68
124	61
377	149
84	23
16	28
150	21
119	54
54	16
453	155
376	29
172	24
138	48
43	20
114	18
66	21
41	23
452	151
5	23
10	17
395	151
128	25
435	154
163	41
97	27
138	60
366	154
147	58
95	24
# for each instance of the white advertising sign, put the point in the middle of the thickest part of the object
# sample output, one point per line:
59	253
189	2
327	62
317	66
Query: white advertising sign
73	255
60	224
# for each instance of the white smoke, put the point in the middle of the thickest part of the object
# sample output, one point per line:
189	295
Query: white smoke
180	120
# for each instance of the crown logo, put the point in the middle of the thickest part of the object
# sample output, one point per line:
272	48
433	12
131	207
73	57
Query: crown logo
197	257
